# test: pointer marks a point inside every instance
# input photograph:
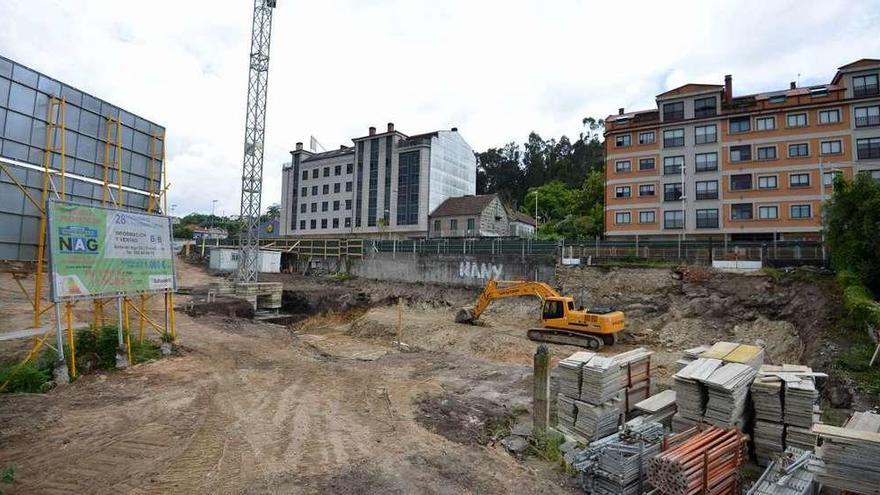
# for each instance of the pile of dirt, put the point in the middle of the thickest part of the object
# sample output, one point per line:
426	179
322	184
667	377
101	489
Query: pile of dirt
468	421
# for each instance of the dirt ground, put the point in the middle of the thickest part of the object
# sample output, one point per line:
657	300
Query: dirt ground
250	407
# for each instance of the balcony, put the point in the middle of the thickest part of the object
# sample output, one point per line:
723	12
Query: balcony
707	195
869	90
409	143
869	121
704	112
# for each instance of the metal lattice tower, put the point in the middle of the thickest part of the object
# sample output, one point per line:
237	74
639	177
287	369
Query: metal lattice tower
254	136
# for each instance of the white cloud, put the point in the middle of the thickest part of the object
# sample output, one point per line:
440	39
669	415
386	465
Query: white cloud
495	69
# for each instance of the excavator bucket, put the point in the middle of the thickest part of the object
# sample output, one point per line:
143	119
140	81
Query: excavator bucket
464	315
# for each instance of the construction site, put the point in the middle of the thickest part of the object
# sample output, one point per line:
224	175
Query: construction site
402	360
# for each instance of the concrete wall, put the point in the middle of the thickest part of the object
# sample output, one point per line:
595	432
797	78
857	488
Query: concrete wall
466	270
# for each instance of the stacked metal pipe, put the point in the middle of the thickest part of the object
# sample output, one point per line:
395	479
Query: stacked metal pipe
708	462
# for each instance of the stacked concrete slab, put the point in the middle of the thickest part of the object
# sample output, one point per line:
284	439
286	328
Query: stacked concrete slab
691	394
848	458
728	390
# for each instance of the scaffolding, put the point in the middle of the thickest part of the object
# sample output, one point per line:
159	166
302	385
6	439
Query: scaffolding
125	305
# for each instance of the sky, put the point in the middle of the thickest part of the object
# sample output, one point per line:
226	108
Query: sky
497	70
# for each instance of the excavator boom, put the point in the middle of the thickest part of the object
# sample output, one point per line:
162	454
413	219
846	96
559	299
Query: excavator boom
499	289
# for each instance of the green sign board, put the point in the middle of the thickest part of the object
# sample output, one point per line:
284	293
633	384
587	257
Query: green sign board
101	252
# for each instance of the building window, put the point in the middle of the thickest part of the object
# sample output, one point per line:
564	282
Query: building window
765	123
707	219
673	165
875	174
647	217
868	116
337	170
313	224
646	164
302	225
768	212
326	171
437	226
348	186
828	177
336	205
305	175
868	148
672	192
623	166
622	217
865	85
796	120
348	204
673	219
347	222
314	190
349	168
315	207
706	162
453	224
799	149
767	153
408	170
829	116
673	138
741	182
800	211
740	153
325	205
707	189
831	147
304	192
647	137
302	208
704	107
768	182
776	99
706	134
622	192
622	140
337	187
323	223
325	189
673	111
314	173
739	124
741	211
335	223
471	224
818	92
799	180
646	190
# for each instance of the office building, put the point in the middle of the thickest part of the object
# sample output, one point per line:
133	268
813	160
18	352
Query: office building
708	164
384	185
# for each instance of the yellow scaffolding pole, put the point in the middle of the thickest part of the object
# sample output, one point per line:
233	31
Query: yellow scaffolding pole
118	165
126	328
71	348
55	105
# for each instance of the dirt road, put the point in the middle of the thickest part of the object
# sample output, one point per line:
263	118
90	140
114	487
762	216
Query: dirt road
253	408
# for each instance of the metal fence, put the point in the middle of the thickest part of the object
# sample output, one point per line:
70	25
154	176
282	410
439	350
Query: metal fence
780	253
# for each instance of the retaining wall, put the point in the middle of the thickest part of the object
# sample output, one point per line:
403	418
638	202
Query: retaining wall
466	270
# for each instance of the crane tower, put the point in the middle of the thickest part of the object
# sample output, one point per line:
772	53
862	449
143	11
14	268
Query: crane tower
254	136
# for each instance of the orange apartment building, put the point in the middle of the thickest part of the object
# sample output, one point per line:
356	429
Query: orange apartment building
708	164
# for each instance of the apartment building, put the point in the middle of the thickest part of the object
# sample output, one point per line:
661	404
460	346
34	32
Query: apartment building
708	164
384	185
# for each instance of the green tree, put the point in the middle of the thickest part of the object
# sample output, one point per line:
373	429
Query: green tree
852	228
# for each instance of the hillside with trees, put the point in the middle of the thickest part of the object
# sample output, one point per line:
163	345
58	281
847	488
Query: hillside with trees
566	177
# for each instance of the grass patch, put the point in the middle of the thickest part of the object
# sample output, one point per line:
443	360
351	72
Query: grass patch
342	276
98	350
854	363
626	262
547	447
8	474
833	417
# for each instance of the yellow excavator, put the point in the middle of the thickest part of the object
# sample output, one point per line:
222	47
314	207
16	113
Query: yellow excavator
563	324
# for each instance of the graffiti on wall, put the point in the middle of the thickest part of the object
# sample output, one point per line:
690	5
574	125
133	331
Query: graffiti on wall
482	271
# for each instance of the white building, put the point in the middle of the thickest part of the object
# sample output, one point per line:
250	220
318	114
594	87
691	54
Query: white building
384	185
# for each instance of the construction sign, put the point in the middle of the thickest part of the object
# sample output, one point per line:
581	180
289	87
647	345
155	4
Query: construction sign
100	252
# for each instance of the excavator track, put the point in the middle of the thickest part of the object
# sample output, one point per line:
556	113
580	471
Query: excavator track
567	337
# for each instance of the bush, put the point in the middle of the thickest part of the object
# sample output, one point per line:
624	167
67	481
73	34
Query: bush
28	378
98	350
863	310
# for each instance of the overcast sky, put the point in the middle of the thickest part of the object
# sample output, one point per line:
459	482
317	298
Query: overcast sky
495	69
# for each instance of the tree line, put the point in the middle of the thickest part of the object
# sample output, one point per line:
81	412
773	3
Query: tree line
566	177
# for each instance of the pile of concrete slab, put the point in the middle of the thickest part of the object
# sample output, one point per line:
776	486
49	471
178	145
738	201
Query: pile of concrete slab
787	475
658	408
728	391
617	464
596	391
785	402
691	394
848	458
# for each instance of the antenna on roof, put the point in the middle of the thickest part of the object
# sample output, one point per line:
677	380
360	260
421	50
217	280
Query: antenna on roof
314	144
799	79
